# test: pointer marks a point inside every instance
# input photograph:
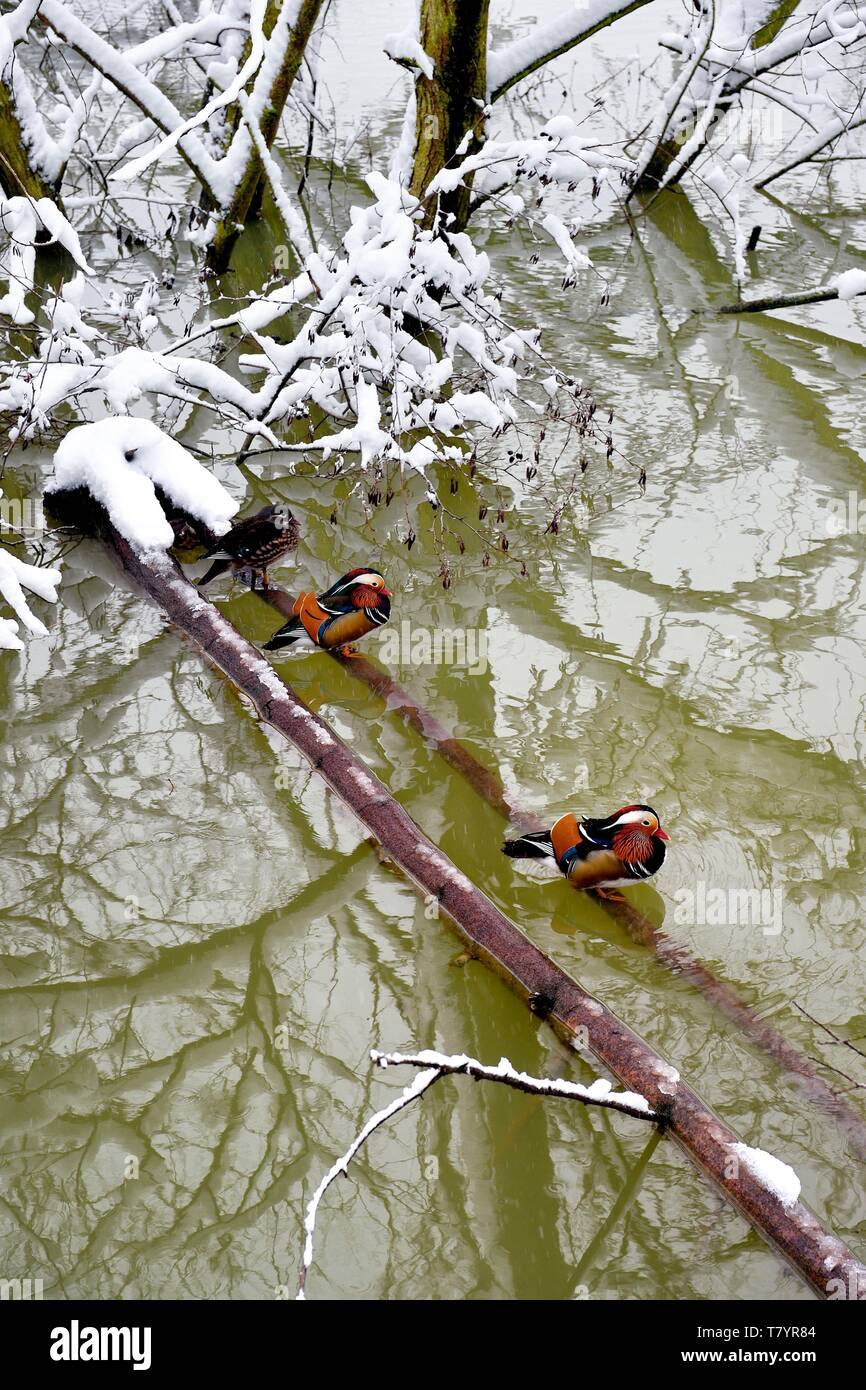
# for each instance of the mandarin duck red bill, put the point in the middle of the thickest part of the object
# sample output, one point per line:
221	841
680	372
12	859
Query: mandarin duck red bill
357	604
627	847
254	543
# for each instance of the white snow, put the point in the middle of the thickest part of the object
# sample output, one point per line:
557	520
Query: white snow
416	1088
364	781
405	48
543	40
600	1090
119	460
850	283
15	576
223	98
779	1177
23	220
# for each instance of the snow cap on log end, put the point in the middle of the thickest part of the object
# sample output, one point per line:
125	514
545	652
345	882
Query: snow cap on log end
121	461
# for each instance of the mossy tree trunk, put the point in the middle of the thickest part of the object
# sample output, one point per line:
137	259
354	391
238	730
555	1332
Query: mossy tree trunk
18	175
454	37
246	200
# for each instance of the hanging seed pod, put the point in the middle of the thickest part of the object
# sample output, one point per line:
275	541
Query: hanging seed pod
410	540
461	545
454	486
389	498
333	518
482	511
500	515
485	560
504	542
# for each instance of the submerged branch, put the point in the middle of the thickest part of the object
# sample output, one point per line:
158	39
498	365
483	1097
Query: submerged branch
599	1093
435	1065
782	301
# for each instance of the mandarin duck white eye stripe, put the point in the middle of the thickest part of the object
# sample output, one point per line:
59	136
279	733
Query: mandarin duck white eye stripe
599	854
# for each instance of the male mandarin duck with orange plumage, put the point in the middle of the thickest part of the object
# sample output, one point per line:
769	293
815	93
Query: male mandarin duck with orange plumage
627	847
357	604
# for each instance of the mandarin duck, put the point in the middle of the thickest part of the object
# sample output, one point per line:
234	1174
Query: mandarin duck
253	543
357	604
627	847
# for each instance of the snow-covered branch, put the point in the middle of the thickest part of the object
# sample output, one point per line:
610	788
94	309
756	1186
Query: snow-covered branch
738	49
510	64
600	1093
434	1065
423	1081
15	577
849	285
124	74
357	357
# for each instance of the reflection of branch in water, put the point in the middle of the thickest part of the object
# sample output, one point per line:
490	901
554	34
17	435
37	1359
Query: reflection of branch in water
837	1041
626	1196
680	961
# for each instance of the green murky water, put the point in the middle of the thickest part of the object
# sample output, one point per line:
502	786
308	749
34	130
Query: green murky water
175	886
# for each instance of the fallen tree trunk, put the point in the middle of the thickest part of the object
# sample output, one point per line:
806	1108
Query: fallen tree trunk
485	782
823	1260
672	954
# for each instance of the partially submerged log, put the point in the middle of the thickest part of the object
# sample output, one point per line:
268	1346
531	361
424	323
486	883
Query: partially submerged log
781	301
485	782
823	1260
